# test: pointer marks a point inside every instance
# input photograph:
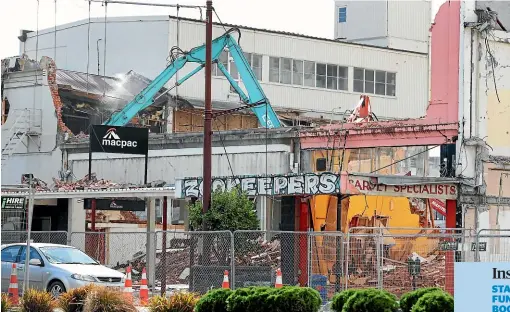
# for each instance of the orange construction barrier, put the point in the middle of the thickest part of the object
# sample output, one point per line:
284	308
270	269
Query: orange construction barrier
128	285
279	281
226	283
13	286
144	289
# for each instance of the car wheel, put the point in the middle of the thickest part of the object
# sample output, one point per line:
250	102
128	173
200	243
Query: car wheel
56	288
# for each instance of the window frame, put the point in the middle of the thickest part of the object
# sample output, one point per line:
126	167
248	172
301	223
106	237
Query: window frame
375	81
17	254
342	12
21	260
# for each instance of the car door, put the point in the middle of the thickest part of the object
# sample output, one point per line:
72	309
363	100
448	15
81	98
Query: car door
9	256
36	272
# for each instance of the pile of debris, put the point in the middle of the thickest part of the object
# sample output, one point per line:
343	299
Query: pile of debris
396	276
260	253
397	279
87	182
39	184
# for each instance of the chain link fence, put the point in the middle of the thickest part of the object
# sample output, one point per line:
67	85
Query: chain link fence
395	259
194	260
52	237
259	254
116	250
400	260
492	245
327	264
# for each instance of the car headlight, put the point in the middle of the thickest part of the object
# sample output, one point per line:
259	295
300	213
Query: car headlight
86	278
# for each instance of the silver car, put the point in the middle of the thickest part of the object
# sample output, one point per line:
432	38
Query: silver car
56	268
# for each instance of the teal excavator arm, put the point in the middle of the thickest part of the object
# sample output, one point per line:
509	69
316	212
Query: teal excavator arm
255	99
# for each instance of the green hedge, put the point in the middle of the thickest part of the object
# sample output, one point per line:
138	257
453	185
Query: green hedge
340	299
371	300
261	299
409	299
435	301
214	301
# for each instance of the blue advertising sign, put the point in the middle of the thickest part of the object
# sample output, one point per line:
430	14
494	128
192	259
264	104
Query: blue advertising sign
482	286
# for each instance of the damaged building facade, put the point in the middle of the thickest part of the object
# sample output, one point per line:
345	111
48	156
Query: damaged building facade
310	81
434	154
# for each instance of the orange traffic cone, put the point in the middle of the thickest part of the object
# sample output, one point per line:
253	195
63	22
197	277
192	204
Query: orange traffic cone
128	285
279	281
144	289
226	283
13	286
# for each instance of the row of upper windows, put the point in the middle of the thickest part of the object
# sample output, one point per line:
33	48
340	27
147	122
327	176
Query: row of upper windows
313	74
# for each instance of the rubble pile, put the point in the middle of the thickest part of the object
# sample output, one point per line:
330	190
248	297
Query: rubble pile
85	183
39	184
396	277
432	274
265	253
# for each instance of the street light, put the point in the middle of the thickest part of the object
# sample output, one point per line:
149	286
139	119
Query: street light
414	268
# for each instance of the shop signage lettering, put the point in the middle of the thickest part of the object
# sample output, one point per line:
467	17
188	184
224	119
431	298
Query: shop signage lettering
13	202
304	184
439	191
119	140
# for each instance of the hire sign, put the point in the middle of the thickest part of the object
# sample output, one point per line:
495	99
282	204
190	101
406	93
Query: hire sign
282	185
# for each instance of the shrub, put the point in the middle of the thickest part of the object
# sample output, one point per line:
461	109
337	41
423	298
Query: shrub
6	303
340	299
295	299
409	299
37	301
214	301
371	300
73	300
286	299
435	301
178	302
103	299
241	299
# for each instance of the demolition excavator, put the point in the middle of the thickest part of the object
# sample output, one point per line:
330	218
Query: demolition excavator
255	99
322	207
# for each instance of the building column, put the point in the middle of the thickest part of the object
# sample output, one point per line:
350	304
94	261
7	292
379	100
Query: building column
151	241
451	221
76	222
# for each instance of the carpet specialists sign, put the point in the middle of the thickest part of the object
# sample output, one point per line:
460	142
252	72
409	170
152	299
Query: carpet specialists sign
13	202
303	184
482	286
119	140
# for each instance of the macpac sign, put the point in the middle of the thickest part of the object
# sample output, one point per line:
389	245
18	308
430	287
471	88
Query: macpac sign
119	140
303	184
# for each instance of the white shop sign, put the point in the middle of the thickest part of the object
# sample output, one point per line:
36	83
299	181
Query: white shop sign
281	185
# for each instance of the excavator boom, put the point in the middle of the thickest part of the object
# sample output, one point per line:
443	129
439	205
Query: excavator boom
255	98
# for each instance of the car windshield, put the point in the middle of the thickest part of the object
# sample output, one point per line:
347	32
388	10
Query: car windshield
66	255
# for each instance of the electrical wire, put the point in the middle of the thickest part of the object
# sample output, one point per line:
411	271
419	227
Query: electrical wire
223	144
398	161
104	52
88	49
55	50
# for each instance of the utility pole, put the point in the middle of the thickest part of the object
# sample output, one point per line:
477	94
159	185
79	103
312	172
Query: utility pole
207	176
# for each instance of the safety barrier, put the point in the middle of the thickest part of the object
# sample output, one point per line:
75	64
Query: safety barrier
395	259
52	237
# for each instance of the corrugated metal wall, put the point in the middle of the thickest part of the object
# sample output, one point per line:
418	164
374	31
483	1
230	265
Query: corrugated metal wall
411	68
168	168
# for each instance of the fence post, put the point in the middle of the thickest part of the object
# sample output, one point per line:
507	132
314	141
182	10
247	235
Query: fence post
233	260
310	267
379	246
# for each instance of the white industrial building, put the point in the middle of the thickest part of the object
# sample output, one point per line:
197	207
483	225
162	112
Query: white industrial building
298	73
